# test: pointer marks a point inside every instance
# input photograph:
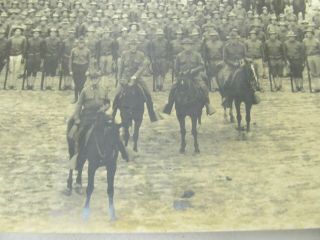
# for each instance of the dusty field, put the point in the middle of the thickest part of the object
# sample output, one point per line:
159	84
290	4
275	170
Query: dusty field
268	179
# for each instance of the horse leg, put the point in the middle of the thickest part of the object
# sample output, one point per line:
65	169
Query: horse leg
137	125
91	172
248	115
78	186
237	104
231	113
126	135
111	171
69	183
182	123
195	134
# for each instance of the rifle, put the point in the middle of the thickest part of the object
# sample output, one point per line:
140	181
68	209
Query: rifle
291	80
60	76
42	77
309	76
173	69
270	76
24	74
115	69
6	75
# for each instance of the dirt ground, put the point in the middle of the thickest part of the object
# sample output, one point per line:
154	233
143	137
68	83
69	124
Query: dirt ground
267	179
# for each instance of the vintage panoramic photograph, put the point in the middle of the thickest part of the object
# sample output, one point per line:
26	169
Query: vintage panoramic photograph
127	116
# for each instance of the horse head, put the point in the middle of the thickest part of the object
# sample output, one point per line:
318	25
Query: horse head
250	72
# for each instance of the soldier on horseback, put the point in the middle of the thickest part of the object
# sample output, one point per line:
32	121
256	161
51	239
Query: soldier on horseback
132	66
92	101
188	66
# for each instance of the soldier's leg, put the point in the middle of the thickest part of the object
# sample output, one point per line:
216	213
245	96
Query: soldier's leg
168	107
205	91
149	101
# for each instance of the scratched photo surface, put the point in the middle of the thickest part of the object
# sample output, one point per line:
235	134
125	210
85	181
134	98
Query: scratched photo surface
66	65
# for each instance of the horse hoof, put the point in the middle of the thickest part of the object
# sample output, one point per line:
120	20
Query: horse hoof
197	151
135	149
67	192
232	119
85	213
78	189
182	151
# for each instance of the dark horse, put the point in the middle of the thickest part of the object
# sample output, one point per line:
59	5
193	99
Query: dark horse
241	89
101	149
188	102
131	105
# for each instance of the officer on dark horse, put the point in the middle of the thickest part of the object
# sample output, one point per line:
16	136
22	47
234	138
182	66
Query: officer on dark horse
240	81
190	93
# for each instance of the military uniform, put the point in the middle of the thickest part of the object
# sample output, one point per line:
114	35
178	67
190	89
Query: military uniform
295	55
131	68
79	63
67	45
274	55
16	47
51	55
33	57
3	49
189	64
93	101
158	50
105	52
312	46
212	55
254	51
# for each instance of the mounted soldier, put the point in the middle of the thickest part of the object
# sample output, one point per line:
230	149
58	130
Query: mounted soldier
188	66
132	65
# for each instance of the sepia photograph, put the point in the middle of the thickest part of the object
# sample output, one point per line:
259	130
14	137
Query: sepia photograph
159	116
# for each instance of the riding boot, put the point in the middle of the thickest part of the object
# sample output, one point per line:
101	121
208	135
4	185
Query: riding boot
168	107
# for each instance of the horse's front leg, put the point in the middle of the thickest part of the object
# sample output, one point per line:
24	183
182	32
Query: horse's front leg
248	115
126	135
111	171
231	113
69	183
91	172
137	125
237	104
182	124
195	134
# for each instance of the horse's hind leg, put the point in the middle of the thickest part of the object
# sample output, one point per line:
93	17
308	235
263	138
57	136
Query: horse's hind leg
137	125
195	134
237	104
91	172
111	171
69	183
182	123
248	115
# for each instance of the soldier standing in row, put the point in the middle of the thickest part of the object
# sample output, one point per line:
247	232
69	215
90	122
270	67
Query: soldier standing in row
254	51
3	49
158	51
17	47
33	57
67	45
212	55
79	64
51	54
274	55
295	55
312	46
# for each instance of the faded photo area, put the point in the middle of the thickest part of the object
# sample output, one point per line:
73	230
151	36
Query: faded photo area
159	115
